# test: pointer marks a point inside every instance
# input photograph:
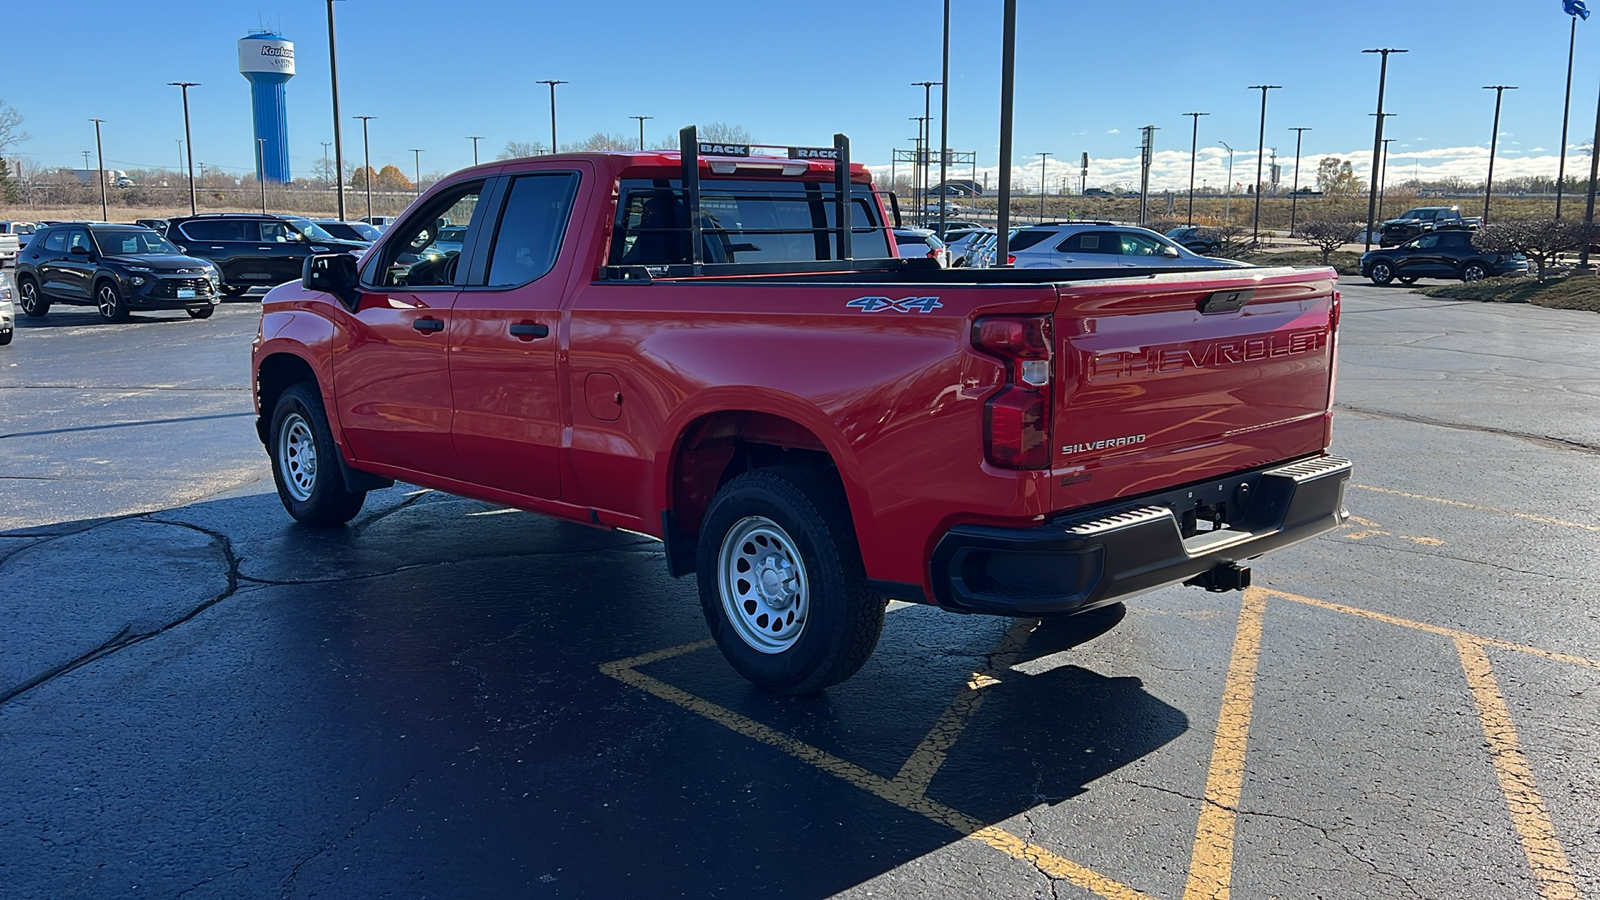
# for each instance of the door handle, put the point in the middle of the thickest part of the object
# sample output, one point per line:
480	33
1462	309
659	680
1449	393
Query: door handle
258	248
427	325
527	331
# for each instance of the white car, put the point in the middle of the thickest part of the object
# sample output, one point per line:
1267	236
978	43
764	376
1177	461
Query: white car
8	315
920	242
1100	245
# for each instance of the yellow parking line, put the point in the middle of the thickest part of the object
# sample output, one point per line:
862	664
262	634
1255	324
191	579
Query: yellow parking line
1549	863
904	795
1211	865
924	762
1494	509
1451	633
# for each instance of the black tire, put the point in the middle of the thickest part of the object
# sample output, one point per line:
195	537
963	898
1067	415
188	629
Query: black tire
109	302
1408	279
1474	272
230	290
5	336
1382	273
801	522
314	494
34	303
201	312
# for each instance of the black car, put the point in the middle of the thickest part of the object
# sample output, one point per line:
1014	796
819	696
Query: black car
115	268
1196	239
253	249
350	231
1419	221
1439	254
159	226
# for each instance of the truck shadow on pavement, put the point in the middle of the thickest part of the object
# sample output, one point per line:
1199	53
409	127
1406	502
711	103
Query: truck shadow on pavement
428	700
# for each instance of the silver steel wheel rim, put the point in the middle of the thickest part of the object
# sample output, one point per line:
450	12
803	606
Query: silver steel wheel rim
30	297
108	301
1382	273
762	582
297	457
1473	273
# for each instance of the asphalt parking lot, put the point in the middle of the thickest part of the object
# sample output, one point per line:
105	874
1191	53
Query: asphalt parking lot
449	699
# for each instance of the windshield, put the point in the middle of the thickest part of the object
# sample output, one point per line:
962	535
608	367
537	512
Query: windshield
365	231
129	242
452	235
310	229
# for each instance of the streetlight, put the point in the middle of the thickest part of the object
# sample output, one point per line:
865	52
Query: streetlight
1261	152
642	120
1294	193
944	123
1043	157
1227	209
1588	209
188	138
1383	175
927	139
325	164
261	171
417	158
474	138
338	139
366	154
552	82
1494	141
1194	147
105	208
1566	106
1008	86
1377	138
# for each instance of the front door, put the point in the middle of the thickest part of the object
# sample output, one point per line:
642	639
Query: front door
506	335
283	250
76	271
392	376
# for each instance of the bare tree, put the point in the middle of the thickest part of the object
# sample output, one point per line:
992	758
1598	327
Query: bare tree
599	142
1540	240
723	133
519	149
11	132
1329	236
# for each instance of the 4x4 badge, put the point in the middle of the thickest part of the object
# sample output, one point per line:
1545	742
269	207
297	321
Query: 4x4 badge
909	304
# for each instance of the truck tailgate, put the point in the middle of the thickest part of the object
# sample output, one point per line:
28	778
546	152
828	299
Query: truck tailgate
1178	379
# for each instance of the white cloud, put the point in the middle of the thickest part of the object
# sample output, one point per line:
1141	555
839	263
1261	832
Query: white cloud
1115	131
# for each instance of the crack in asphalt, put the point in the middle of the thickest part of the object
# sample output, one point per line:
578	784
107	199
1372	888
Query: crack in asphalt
420	495
1480	562
268	582
1328	833
1553	442
203	882
288	883
126	637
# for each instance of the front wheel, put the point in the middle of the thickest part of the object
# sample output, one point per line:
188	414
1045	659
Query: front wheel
229	290
1474	272
781	581
31	299
109	301
201	312
1408	279
305	461
1382	273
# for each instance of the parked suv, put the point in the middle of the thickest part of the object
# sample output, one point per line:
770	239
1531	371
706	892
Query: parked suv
254	249
1203	241
1097	245
1418	221
1439	254
114	268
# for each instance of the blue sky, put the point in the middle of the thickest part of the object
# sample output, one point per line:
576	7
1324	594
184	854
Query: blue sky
1089	75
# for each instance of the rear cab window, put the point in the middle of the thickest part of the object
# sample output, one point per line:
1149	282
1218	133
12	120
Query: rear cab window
213	230
743	221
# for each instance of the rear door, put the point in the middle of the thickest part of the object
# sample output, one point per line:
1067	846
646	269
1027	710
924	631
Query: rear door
46	255
224	242
506	336
282	250
1089	249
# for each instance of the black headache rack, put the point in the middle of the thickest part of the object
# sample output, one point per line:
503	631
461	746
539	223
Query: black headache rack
725	158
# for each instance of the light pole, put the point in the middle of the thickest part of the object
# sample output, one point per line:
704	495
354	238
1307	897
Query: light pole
1008	84
417	159
642	120
1194	147
261	171
105	207
1261	152
1566	106
338	139
552	82
1043	158
366	155
1588	208
1227	209
1383	175
1294	193
180	154
917	195
326	166
926	130
944	122
1377	138
1147	148
474	138
188	139
1494	142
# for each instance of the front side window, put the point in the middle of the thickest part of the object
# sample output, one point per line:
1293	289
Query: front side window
76	238
277	233
1140	245
409	255
1427	242
529	234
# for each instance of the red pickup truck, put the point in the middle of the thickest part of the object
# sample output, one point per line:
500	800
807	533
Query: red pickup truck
717	348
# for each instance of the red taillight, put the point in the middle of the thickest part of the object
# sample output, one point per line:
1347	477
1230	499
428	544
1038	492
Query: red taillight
1017	418
1010	260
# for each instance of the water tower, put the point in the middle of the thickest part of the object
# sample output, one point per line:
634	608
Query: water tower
266	60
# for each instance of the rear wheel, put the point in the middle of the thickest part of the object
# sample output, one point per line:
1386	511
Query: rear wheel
1474	272
110	302
305	461
5	336
1408	279
31	299
1382	273
201	312
781	581
229	290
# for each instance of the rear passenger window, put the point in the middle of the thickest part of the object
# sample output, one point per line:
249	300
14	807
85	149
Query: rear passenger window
56	242
277	233
213	230
529	234
1022	240
1090	242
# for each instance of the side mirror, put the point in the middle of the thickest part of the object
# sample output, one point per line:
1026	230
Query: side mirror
332	273
1170	252
79	250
